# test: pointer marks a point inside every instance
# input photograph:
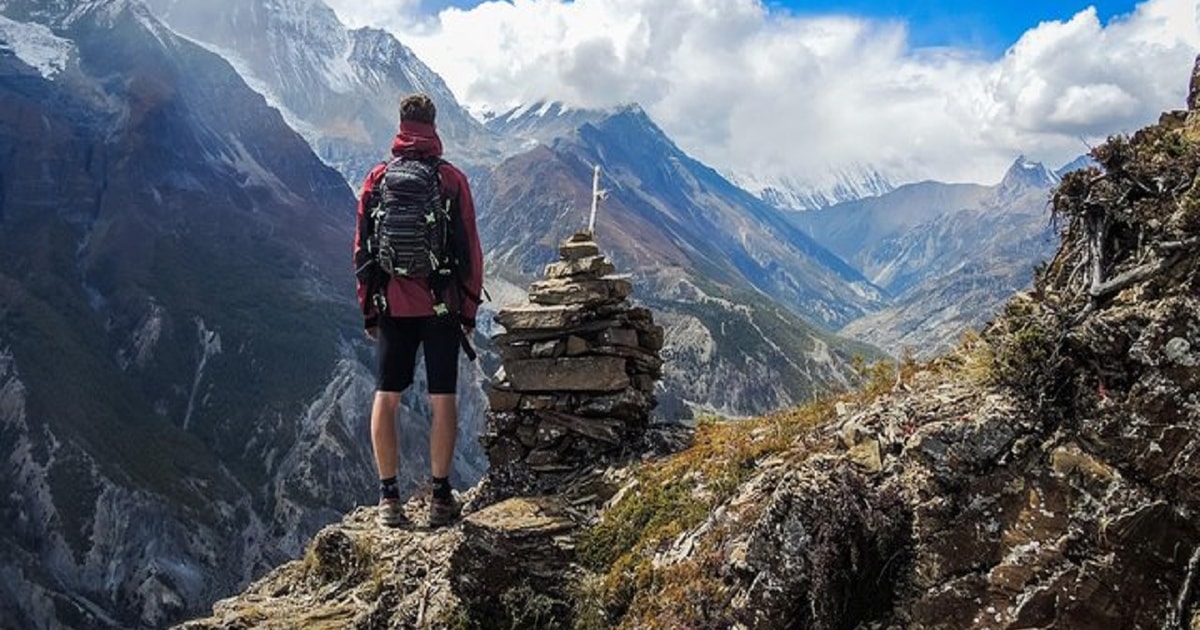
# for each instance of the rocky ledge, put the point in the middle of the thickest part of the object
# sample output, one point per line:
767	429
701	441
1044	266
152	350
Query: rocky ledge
1046	474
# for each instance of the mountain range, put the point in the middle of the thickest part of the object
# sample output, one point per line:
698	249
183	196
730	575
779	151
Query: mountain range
521	191
723	266
814	191
948	255
1043	474
183	378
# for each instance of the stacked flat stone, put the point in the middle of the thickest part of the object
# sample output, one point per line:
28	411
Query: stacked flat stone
579	368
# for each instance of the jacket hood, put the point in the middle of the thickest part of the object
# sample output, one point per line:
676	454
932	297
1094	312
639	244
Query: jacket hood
417	140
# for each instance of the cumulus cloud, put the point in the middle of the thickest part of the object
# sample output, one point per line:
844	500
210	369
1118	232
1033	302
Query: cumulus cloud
745	87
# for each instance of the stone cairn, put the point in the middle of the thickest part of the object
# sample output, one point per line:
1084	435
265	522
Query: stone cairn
579	367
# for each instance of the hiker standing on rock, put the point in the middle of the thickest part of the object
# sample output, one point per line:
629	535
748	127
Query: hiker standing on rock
420	271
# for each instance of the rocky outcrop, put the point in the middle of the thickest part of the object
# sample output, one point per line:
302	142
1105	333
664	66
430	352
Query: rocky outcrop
354	575
577	383
513	559
571	407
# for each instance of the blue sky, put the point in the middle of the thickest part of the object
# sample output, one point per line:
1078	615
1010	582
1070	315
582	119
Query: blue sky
990	27
987	27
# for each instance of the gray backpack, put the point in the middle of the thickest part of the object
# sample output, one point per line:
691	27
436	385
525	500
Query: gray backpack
412	224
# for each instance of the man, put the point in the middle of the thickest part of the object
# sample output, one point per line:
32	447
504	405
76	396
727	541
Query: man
404	311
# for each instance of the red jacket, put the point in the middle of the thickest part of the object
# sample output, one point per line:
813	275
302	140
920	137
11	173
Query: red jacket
412	298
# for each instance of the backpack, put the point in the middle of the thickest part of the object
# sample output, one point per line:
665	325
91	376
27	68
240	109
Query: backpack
412	234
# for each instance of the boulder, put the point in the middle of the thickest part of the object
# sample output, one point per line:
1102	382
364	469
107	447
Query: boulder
512	557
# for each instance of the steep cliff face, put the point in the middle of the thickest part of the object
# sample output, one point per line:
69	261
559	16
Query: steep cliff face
184	394
1044	474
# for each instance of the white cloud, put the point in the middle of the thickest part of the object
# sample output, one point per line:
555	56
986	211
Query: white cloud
741	86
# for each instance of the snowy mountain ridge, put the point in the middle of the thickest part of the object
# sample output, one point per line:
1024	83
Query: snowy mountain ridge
36	45
337	86
543	121
815	190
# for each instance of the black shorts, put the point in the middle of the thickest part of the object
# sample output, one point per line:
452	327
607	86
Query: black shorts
398	341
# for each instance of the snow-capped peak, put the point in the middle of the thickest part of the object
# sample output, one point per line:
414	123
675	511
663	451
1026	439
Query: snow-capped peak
535	109
1025	173
36	45
544	120
815	190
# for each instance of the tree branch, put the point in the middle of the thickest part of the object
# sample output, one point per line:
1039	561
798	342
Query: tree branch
1129	277
1186	243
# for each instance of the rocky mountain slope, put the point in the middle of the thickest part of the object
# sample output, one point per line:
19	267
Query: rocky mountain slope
663	210
338	87
1042	475
183	385
949	255
734	280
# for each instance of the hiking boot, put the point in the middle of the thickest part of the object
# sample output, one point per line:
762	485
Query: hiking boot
391	513
443	511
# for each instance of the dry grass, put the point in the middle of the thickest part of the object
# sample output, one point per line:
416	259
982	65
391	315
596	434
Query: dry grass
675	495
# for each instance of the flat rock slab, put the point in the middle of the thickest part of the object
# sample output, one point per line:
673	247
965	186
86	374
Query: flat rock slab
585	374
575	251
619	337
589	292
603	430
520	518
541	317
591	266
501	400
519	542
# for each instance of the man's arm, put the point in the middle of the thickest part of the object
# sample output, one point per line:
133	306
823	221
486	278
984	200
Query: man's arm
472	272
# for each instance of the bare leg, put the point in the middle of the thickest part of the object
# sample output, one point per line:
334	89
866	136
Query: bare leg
383	432
444	433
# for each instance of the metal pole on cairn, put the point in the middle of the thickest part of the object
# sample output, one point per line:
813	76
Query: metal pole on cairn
597	195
